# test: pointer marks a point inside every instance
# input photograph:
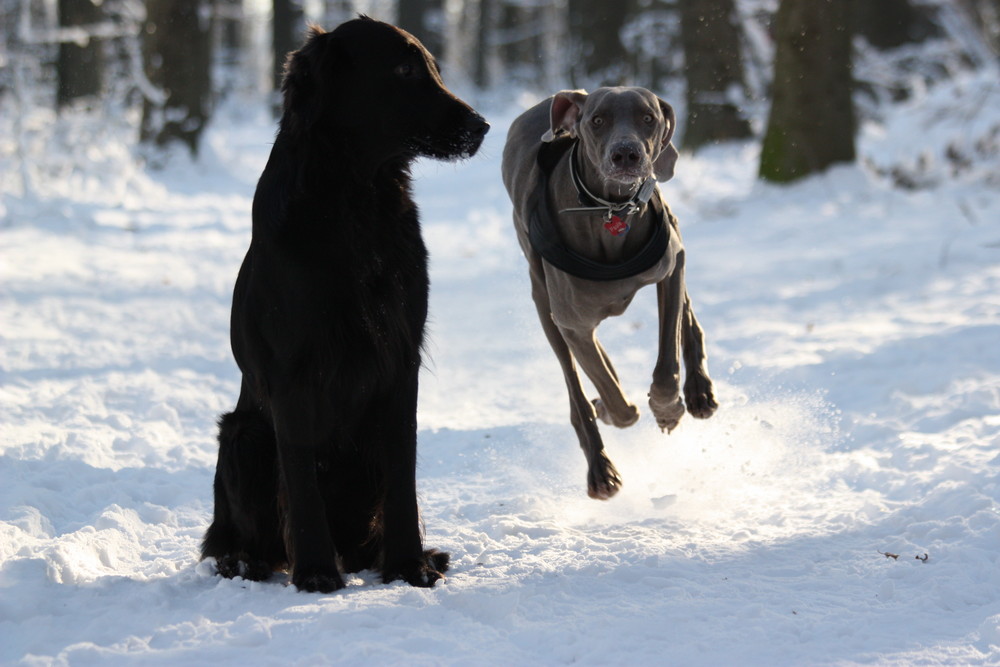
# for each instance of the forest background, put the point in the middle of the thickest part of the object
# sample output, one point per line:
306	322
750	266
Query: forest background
797	74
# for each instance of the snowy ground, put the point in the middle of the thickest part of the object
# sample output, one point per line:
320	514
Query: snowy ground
853	330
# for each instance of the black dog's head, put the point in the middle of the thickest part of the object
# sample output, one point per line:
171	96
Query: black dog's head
375	87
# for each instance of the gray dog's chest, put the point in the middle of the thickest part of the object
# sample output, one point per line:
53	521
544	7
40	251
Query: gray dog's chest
580	304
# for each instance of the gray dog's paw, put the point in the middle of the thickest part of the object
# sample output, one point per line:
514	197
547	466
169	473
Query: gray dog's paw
603	480
624	420
668	408
699	396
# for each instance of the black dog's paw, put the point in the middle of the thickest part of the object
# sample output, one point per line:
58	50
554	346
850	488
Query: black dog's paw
423	573
355	560
230	566
439	560
316	581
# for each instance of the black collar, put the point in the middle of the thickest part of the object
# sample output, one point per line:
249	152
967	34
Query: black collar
546	241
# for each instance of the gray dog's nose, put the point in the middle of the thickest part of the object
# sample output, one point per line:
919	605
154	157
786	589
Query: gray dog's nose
626	155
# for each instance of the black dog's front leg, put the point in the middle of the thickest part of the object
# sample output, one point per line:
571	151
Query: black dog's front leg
403	554
307	532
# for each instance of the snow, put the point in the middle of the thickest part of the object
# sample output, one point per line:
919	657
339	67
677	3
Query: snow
853	333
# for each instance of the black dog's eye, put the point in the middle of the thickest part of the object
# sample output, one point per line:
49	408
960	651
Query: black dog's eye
406	71
597	121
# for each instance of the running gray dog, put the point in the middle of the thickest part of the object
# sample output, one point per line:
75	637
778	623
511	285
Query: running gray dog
581	171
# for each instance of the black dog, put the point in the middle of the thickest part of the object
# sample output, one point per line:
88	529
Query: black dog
317	462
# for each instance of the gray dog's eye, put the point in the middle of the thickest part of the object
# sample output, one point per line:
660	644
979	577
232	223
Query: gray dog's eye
648	118
597	121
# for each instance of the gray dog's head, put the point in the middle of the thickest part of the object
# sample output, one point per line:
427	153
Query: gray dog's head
624	133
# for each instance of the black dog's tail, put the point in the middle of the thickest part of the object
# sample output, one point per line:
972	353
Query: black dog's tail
246	527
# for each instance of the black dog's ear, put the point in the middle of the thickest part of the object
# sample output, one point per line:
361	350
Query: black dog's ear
304	78
663	166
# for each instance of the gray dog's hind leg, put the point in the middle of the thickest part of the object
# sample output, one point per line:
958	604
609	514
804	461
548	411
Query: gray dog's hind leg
631	414
612	407
603	480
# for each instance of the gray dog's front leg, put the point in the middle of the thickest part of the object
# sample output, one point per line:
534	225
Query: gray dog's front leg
698	393
665	392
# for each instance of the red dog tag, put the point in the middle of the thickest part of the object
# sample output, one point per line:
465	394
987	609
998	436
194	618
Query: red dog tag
616	226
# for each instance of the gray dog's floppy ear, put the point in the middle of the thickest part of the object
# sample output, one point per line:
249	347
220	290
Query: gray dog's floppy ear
663	166
567	105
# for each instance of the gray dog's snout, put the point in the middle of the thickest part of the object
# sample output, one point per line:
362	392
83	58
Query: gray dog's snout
626	155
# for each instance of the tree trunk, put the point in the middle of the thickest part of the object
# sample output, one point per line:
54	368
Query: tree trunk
985	15
713	68
513	47
483	55
335	12
596	27
887	24
287	33
80	66
177	56
422	19
812	123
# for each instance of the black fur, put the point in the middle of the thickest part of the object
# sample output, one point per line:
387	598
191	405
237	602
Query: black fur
317	462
